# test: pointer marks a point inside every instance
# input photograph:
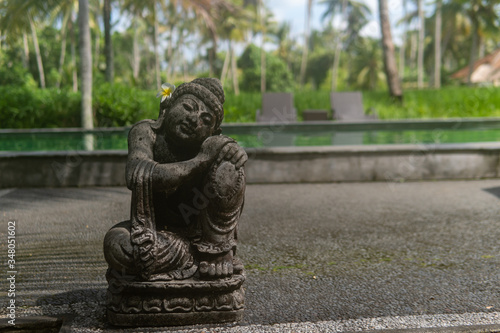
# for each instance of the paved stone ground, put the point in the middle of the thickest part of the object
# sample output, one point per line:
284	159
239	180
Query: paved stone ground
319	257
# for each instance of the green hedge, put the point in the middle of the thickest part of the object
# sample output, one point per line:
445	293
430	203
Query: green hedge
24	107
117	105
120	105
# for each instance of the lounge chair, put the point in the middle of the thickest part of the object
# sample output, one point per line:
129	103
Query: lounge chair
277	108
348	106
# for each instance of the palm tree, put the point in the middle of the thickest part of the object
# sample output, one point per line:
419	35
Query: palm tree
138	27
19	17
233	27
149	11
390	66
207	11
368	70
355	14
284	42
64	11
64	26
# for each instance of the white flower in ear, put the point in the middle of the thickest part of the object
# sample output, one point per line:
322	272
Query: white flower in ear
166	91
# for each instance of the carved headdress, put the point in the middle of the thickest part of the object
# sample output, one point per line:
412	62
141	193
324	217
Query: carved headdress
209	90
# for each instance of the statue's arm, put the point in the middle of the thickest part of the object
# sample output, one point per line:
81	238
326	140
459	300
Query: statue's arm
167	176
140	148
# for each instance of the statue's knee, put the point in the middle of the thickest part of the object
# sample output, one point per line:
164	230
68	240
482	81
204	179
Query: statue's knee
227	183
118	250
219	220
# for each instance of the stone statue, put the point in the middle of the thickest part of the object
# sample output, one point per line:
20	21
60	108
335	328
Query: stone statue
173	262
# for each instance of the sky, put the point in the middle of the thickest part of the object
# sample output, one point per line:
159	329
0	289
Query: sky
294	11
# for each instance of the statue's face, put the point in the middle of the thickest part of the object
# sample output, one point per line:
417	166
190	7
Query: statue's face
189	121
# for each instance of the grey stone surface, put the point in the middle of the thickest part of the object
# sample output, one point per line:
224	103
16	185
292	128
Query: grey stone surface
319	257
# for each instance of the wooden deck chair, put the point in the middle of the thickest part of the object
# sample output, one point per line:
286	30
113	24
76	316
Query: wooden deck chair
277	108
348	106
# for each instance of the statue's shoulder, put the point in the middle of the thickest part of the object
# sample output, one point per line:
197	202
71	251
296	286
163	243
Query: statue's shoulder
143	127
145	124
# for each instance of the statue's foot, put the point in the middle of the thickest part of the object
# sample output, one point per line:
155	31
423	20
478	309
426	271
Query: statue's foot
217	266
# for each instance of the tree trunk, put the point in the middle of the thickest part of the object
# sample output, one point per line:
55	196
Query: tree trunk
226	64
303	65
437	45
97	43
38	54
86	65
262	69
421	36
473	52
136	55
234	71
170	51
108	43
390	66
413	52
184	68
26	51
402	50
73	56
262	51
482	47
171	67
212	54
336	62
174	57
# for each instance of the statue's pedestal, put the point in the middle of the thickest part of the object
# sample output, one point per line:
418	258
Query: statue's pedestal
177	302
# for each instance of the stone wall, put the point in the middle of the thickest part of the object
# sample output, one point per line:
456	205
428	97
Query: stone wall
271	165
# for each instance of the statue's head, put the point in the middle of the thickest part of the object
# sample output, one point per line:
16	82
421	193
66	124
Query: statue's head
193	112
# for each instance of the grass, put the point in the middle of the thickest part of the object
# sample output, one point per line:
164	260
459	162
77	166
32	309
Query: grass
448	102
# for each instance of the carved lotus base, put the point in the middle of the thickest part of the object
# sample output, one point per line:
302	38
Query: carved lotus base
173	303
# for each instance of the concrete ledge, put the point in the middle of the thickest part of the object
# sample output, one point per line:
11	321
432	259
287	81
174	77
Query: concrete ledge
373	163
271	165
61	169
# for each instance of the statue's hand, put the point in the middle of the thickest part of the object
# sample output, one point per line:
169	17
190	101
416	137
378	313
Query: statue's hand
211	147
234	153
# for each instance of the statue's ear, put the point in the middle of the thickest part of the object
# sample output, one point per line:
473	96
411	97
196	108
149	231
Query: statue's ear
218	131
162	111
